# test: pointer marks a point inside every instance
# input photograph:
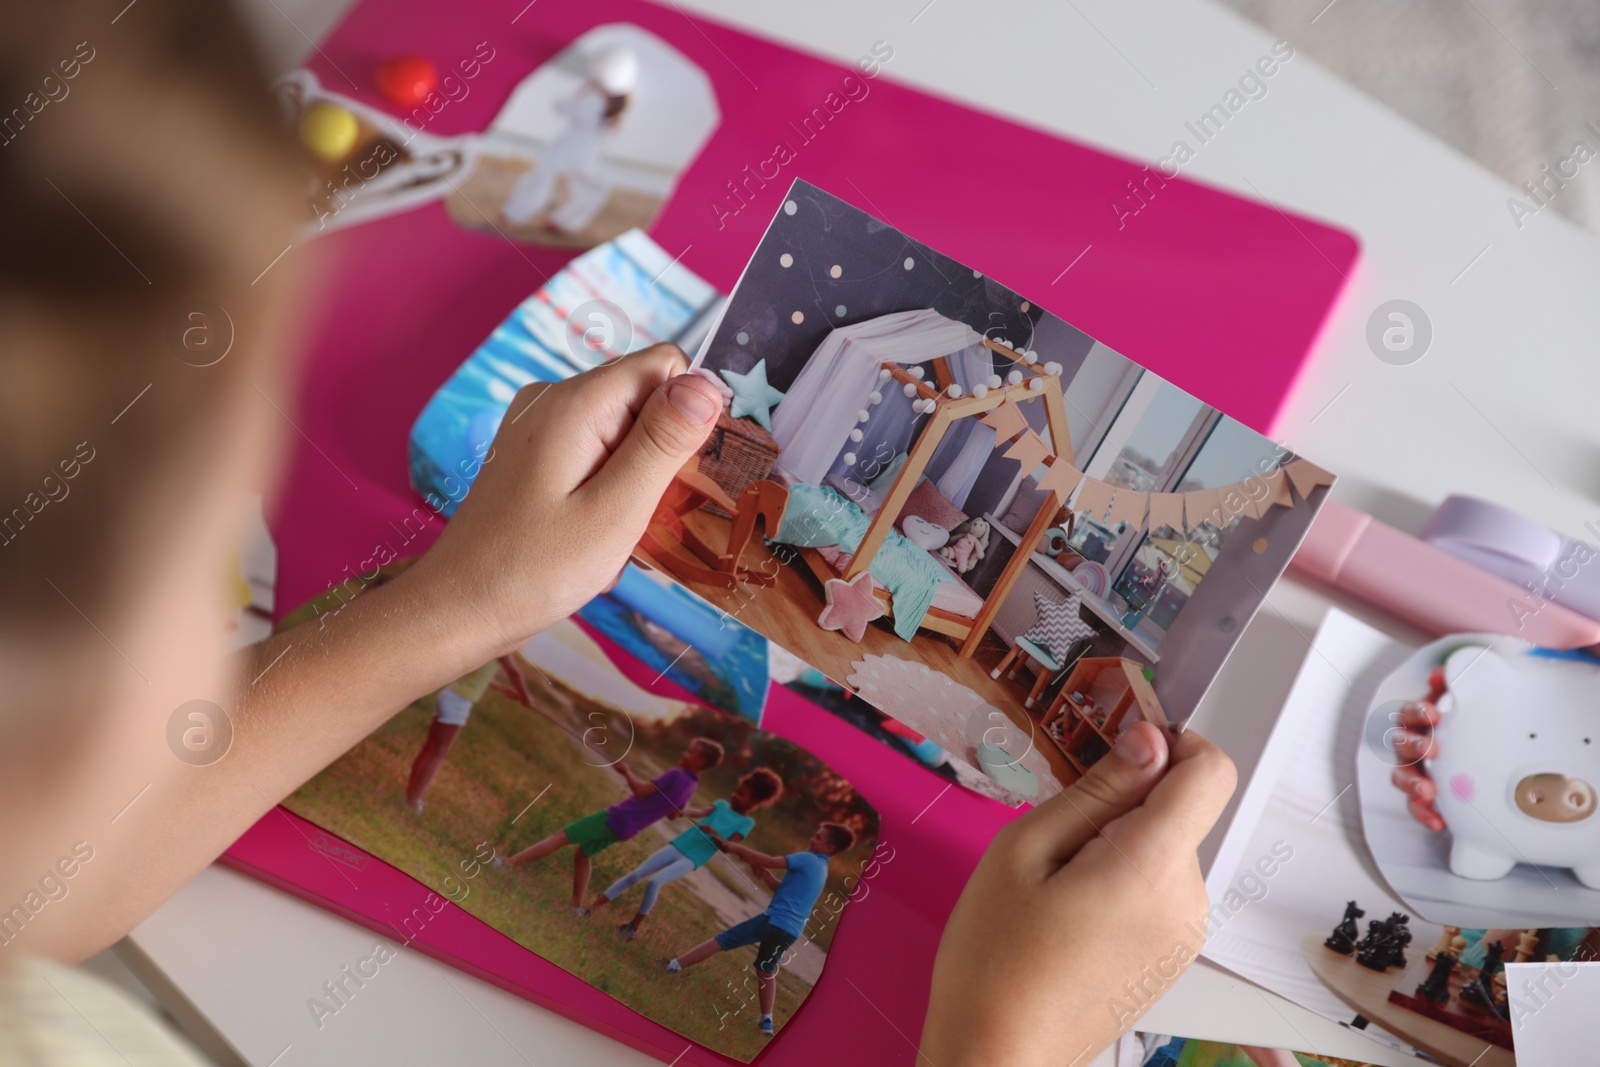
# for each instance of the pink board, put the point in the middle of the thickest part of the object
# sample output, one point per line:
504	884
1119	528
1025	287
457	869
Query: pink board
411	295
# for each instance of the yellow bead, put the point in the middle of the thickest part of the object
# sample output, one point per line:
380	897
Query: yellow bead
328	130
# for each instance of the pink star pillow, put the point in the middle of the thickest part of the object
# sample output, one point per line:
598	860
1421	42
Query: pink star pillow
851	605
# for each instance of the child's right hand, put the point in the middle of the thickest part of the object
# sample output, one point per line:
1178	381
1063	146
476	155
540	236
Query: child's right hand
576	471
1092	891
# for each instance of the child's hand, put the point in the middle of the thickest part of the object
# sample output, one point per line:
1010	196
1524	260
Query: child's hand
1095	888
1413	742
575	472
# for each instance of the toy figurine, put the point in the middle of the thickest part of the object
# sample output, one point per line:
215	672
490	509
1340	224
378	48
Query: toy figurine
1369	950
1480	991
1343	938
1399	937
1384	945
1374	933
1437	986
1446	939
593	112
1527	944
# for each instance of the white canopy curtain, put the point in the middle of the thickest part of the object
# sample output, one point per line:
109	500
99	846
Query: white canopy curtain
813	422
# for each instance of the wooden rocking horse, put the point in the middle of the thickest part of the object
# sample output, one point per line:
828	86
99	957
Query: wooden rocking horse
687	555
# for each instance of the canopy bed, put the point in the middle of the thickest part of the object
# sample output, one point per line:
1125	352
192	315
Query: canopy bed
865	384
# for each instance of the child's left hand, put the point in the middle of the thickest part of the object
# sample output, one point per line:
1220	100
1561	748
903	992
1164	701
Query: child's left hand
1095	892
574	475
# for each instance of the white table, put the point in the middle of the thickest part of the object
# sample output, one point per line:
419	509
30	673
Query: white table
1502	406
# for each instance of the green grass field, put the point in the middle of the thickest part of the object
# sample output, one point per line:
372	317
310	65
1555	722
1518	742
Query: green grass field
501	761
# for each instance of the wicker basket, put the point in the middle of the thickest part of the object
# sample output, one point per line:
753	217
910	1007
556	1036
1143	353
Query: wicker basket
739	452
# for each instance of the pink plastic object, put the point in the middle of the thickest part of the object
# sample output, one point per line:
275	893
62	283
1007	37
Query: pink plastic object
1426	587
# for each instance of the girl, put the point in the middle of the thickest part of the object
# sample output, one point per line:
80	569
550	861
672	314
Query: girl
139	215
689	851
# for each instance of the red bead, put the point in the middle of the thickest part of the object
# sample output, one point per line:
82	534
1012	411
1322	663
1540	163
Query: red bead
407	80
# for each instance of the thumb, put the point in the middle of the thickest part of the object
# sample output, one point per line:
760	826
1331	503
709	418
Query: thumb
1116	784
668	430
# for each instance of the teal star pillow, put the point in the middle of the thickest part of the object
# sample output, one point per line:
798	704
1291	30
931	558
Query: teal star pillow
752	395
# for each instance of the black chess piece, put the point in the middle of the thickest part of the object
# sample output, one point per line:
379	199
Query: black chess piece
1374	932
1480	991
1343	938
1373	951
1437	986
1399	938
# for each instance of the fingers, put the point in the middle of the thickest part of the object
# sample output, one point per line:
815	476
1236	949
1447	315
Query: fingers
1058	828
1426	815
608	398
1415	781
1183	805
1419	715
671	415
669	429
1413	747
1420	792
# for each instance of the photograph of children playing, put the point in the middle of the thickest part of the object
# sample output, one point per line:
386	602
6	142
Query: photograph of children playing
669	853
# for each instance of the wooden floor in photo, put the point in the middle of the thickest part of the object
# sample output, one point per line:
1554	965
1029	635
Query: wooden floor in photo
787	614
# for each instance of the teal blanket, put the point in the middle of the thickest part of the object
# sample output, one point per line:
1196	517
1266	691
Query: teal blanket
818	515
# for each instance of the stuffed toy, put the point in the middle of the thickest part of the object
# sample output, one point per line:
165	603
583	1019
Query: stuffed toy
968	543
924	534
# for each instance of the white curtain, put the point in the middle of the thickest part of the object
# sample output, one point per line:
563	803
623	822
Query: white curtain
969	443
812	424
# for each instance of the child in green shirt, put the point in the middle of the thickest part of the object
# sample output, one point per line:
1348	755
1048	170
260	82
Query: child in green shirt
693	849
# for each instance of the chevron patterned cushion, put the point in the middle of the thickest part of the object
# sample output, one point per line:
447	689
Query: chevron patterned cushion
1058	625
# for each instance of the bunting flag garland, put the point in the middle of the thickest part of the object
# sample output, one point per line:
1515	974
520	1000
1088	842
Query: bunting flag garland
1255	507
1028	449
1128	507
1166	509
1182	512
1007	421
1201	505
1306	476
1094	497
1278	488
1061	478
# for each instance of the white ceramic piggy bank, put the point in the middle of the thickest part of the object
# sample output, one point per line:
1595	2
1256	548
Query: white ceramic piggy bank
1519	762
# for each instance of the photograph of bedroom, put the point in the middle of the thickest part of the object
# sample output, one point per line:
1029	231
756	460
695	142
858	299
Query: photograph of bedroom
972	514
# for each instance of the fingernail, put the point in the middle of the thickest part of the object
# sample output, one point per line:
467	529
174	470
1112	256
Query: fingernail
1135	748
692	402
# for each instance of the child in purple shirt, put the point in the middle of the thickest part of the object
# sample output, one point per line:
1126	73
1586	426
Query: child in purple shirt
647	802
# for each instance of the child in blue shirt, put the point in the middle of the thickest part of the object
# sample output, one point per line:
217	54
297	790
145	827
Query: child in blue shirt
689	851
774	930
